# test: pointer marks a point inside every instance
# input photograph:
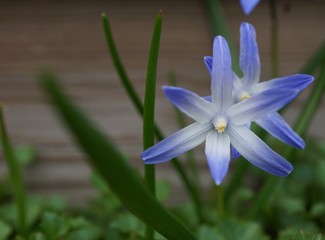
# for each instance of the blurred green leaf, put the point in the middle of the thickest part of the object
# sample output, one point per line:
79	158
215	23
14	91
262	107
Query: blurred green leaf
33	206
209	233
113	235
112	166
320	172
163	190
25	155
86	233
5	230
99	183
16	178
186	213
240	230
300	235
126	223
292	205
55	203
53	225
37	236
318	209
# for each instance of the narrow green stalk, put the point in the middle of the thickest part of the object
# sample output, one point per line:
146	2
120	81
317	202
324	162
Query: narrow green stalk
119	66
301	127
179	168
219	27
220	202
149	100
274	40
16	178
149	110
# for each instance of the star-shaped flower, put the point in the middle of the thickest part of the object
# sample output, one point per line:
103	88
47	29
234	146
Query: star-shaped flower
221	123
248	5
249	85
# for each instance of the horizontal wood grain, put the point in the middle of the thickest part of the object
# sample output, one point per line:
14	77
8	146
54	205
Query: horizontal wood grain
66	36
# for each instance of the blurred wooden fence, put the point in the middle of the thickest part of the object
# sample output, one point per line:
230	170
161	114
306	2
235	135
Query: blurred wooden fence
66	37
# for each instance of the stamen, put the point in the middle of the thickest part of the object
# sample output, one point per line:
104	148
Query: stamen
244	96
220	125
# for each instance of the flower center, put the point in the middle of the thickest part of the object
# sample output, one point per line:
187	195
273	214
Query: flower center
220	124
244	96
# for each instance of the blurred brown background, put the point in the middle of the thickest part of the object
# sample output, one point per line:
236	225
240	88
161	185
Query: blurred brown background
67	37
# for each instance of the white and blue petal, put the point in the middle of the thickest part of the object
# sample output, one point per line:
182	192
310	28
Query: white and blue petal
257	152
222	75
217	151
295	82
207	98
260	105
234	153
177	143
208	63
249	57
274	124
190	103
248	5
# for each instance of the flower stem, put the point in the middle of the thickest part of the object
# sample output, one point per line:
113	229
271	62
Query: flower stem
149	109
220	202
274	40
16	178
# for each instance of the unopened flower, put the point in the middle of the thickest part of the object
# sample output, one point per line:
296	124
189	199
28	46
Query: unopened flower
222	123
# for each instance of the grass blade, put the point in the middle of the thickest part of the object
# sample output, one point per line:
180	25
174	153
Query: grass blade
111	165
149	110
149	100
16	178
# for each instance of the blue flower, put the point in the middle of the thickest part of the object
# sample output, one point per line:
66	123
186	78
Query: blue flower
248	5
249	85
221	123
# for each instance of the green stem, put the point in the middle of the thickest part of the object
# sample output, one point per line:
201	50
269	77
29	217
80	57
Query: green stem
301	127
16	177
274	40
220	202
149	110
179	168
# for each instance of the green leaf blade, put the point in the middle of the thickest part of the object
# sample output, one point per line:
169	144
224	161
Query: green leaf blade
111	165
